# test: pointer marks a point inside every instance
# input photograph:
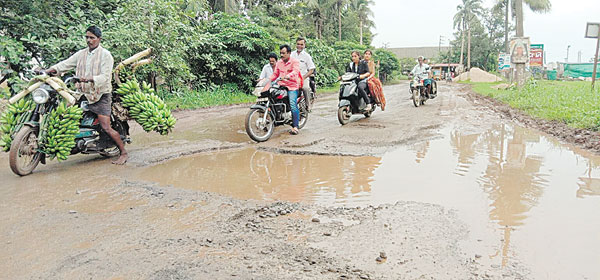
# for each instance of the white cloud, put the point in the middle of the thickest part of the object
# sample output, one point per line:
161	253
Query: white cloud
409	23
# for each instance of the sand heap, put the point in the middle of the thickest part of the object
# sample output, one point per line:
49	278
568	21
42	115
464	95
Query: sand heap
477	75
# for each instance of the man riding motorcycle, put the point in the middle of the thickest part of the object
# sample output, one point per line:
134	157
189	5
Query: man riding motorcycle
423	71
94	66
287	70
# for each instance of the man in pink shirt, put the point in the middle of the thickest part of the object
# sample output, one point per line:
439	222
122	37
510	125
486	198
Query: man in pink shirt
288	70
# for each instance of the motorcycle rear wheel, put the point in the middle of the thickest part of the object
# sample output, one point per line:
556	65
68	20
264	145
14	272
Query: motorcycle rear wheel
24	157
257	131
303	114
344	115
416	97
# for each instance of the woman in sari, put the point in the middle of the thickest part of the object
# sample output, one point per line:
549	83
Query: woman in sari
375	86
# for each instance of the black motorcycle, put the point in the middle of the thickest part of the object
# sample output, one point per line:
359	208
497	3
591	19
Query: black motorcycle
350	101
273	109
25	153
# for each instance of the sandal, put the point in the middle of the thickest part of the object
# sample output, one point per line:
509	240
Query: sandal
294	131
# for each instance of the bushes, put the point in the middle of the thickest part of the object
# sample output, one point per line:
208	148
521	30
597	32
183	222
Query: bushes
231	50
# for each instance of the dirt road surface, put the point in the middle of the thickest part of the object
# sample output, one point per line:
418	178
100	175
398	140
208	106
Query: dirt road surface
450	190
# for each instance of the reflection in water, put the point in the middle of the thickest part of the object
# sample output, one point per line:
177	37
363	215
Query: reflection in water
255	174
512	179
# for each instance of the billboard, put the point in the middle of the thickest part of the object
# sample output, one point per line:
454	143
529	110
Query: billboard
536	55
519	50
503	61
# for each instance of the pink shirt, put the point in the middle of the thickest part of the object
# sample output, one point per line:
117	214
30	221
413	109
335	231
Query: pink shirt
290	69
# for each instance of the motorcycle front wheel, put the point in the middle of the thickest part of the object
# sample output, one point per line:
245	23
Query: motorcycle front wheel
256	128
24	155
416	97
344	115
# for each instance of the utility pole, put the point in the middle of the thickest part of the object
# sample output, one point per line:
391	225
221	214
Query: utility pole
442	37
567	59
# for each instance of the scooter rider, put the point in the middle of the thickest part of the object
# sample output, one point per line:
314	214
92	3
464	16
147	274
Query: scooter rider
423	71
360	67
307	68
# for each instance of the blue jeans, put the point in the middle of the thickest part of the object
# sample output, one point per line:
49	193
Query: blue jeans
293	95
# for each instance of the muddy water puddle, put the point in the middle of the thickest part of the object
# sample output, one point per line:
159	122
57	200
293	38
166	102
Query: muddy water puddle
525	196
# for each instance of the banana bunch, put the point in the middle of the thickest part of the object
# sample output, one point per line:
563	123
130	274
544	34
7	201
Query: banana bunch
60	130
12	120
146	107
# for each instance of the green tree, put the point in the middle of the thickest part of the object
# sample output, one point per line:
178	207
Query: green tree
467	13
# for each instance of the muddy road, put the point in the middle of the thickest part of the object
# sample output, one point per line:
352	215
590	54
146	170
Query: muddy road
450	190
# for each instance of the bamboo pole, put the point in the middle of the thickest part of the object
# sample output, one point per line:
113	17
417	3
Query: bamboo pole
133	58
141	63
61	90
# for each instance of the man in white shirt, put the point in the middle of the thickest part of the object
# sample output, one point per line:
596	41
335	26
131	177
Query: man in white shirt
423	71
267	70
307	68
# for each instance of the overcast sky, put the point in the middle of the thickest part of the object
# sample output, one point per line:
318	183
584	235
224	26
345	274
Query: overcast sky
409	23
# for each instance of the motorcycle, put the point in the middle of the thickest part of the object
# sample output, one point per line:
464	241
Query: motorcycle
273	109
419	91
349	101
25	153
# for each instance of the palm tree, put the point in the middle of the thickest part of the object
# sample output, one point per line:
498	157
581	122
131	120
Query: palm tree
364	12
537	6
466	13
338	5
226	6
317	9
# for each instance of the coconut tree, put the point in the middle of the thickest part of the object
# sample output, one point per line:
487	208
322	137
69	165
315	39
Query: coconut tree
338	6
318	11
363	10
537	6
466	13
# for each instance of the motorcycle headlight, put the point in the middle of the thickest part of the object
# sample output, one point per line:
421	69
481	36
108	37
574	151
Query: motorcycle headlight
40	96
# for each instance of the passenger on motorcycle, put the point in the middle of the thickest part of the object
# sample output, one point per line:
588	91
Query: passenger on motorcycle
287	69
268	69
307	68
375	86
94	65
423	71
360	67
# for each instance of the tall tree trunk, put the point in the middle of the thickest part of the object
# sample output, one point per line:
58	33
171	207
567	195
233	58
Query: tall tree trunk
361	31
506	27
339	21
462	47
469	49
519	10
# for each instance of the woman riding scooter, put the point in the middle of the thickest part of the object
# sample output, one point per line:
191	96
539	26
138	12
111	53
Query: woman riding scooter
360	67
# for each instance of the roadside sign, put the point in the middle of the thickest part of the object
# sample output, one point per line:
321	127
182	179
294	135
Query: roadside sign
592	30
503	61
536	55
519	50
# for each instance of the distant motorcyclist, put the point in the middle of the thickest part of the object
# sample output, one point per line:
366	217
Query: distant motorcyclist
423	72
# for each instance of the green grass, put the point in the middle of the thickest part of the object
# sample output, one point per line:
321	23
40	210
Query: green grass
570	102
210	97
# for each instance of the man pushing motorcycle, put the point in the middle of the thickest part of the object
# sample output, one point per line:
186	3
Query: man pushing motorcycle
93	65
